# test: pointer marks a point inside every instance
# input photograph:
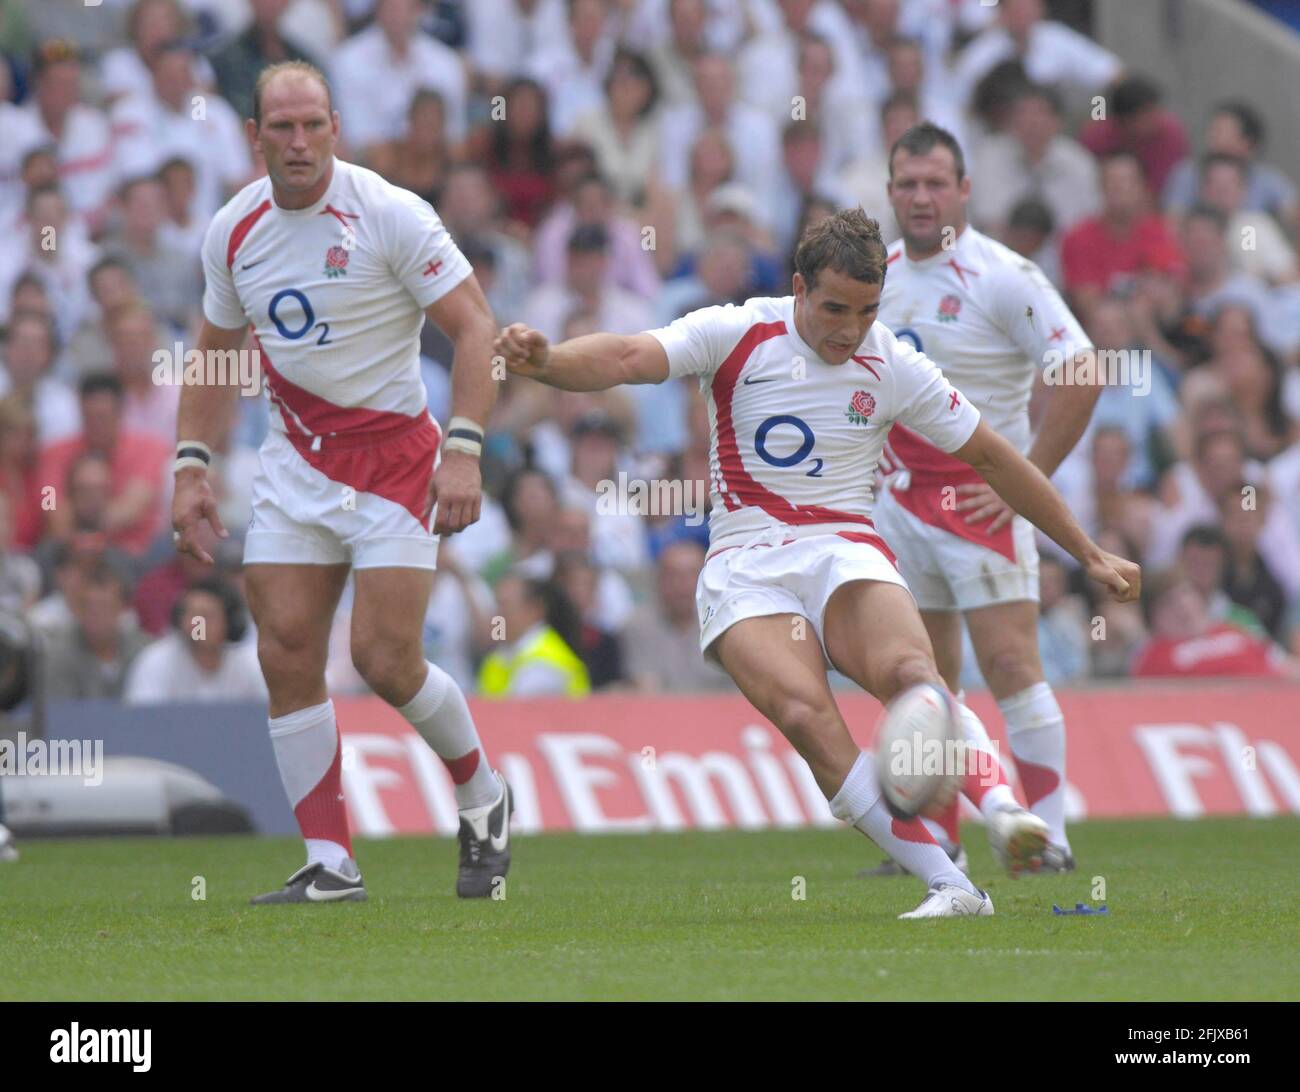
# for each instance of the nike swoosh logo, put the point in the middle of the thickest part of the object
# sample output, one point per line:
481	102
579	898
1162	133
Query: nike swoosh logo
249	265
748	381
315	894
501	839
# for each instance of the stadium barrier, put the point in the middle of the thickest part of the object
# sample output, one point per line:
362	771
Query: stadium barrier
630	763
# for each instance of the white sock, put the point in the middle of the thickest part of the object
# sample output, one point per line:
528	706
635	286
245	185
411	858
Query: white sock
439	713
858	802
307	752
1036	731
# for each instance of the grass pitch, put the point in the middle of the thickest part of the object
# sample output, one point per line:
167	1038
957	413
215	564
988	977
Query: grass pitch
1198	910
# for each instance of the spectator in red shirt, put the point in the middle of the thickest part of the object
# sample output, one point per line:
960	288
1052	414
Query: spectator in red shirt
519	154
20	480
158	590
1186	643
1139	124
1127	238
136	463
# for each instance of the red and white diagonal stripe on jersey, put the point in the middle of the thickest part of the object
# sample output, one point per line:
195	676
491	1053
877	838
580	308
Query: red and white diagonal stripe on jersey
739	486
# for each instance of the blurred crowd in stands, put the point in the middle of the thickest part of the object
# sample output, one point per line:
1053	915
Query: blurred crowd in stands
611	165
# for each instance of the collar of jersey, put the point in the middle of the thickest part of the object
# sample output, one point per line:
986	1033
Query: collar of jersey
312	210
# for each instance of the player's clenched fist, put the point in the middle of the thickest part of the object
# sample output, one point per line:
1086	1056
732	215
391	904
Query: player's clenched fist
193	505
1121	577
524	350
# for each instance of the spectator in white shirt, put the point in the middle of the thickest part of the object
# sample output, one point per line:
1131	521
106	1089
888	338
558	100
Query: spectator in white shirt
624	132
173	117
504	36
184	224
911	71
1212	282
150	25
673	58
30	344
377	72
768	68
574	71
56	116
1192	491
40	168
846	128
754	136
878	23
1256	245
618	538
866	179
55	249
712	165
202	659
1050	52
1033	158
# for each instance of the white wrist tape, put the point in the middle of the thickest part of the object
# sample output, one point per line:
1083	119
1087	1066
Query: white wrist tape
192	453
464	435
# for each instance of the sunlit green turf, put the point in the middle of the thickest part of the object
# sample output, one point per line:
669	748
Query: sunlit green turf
1198	910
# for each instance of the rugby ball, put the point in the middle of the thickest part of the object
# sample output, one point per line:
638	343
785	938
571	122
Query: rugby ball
920	753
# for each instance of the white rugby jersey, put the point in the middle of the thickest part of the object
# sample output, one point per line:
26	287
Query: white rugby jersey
987	317
335	294
795	440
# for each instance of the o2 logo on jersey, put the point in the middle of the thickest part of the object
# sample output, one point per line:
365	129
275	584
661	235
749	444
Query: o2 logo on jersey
908	334
799	454
278	303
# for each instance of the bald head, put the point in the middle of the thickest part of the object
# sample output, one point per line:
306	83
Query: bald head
290	80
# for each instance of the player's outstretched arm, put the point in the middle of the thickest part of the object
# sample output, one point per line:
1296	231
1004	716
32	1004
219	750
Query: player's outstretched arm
1023	486
202	416
593	362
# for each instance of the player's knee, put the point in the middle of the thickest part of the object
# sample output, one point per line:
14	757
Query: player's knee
908	669
387	665
804	721
1011	670
288	653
